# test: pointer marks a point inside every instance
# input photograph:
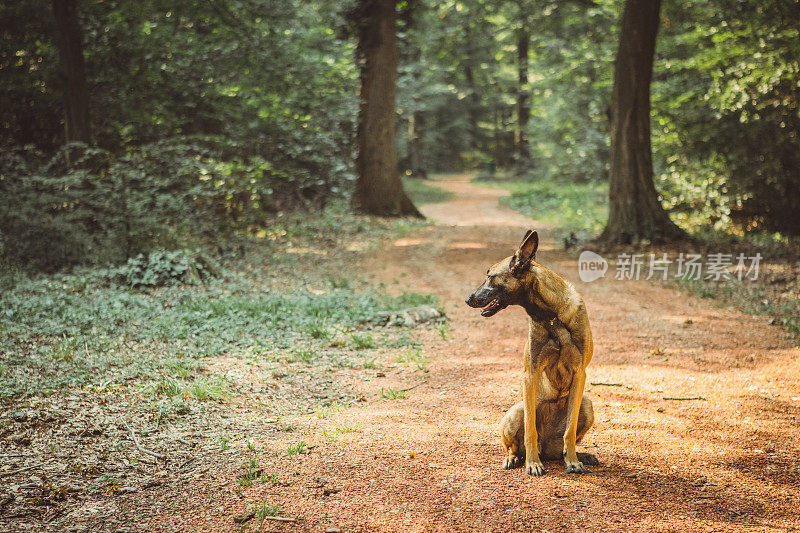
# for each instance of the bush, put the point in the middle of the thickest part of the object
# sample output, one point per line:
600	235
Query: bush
86	206
161	267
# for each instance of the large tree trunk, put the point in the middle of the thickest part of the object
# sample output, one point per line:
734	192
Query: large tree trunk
523	104
635	212
72	70
379	190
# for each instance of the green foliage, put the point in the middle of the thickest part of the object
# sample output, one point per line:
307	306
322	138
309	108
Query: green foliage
393	394
205	117
208	117
297	448
415	299
323	411
268	509
422	193
199	389
103	208
362	341
347	426
727	142
571	63
750	297
413	357
160	267
569	207
251	468
88	327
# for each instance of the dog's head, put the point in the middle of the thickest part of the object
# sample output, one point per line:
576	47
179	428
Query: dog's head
503	283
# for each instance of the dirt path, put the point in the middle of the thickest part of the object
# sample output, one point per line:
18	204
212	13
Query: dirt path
431	462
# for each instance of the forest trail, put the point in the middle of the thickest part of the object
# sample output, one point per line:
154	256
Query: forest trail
431	462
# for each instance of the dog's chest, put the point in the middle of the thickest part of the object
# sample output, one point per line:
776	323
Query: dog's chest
556	380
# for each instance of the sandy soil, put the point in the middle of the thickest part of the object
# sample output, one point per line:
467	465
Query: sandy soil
431	462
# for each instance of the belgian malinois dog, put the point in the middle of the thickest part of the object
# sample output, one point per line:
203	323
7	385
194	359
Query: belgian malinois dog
554	415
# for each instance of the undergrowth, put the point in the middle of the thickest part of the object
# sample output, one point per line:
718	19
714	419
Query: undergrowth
93	327
421	192
568	207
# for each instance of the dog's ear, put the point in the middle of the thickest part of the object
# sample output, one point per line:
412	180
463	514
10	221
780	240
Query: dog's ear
525	253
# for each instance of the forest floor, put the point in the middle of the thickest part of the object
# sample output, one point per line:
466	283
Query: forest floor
416	447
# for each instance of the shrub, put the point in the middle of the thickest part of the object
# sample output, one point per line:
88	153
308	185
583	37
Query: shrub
161	267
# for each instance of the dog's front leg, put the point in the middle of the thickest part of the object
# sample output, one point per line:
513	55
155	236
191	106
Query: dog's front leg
530	390
574	408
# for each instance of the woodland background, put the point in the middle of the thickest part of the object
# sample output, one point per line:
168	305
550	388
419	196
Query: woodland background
129	127
211	251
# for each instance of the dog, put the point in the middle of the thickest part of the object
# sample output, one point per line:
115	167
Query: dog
553	415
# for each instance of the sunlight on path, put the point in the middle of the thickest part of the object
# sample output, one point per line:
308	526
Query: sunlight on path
472	205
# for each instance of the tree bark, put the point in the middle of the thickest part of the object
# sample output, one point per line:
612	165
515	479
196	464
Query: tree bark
523	148
635	212
379	190
72	71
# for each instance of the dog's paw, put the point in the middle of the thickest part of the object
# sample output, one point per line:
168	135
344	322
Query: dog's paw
575	467
588	459
512	461
534	469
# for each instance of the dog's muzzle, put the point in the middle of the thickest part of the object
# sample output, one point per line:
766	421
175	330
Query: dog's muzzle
487	300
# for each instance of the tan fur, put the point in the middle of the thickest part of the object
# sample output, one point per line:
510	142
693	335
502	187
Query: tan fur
560	297
558	350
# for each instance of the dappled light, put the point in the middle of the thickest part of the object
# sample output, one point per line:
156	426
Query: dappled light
399	266
467	246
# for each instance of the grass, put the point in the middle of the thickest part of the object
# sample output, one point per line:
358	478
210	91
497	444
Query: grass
303	353
362	341
317	328
330	436
346	426
413	357
251	472
73	330
393	394
421	192
751	297
200	389
297	448
267	509
323	411
569	207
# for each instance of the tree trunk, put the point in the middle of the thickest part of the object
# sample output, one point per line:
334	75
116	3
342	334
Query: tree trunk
505	143
379	190
72	71
635	212
416	132
523	149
